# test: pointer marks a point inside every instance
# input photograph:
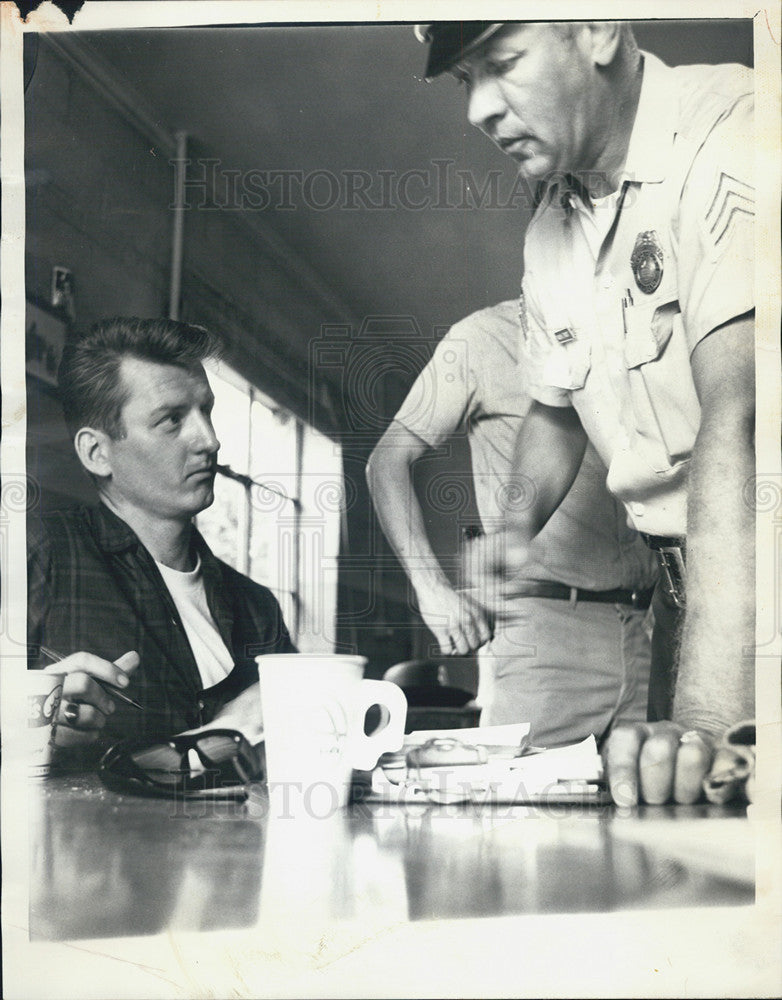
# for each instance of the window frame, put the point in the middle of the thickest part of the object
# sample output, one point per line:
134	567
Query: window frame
294	591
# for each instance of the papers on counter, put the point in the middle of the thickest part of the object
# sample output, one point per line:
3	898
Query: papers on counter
512	736
488	765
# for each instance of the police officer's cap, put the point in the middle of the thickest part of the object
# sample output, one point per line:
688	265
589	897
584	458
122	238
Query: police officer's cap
450	40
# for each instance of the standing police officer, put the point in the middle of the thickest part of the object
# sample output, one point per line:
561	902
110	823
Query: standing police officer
638	332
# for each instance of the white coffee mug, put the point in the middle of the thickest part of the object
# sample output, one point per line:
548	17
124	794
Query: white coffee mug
314	708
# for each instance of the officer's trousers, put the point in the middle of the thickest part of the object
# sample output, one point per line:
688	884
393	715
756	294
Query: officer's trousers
567	668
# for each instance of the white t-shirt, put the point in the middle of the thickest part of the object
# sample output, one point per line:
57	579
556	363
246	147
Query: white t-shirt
211	654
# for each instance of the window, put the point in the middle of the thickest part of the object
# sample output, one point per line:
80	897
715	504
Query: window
278	502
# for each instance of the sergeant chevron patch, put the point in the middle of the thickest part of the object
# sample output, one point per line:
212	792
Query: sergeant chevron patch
731	198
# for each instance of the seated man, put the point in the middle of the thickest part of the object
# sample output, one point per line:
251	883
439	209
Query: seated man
128	591
569	653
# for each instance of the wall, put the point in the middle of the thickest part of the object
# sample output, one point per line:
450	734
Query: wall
99	203
100	200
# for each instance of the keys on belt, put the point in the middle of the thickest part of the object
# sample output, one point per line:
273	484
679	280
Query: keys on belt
671	552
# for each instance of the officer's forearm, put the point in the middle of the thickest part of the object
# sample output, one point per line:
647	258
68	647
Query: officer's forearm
715	685
548	455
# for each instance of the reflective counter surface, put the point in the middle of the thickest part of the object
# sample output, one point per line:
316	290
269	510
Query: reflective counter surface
315	892
105	864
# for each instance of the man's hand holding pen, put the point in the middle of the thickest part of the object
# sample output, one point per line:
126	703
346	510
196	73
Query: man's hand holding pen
87	697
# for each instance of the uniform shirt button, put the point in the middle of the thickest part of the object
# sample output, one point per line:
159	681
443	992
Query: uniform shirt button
608	281
638	509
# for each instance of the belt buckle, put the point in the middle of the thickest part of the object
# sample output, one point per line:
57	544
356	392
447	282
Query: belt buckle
674	572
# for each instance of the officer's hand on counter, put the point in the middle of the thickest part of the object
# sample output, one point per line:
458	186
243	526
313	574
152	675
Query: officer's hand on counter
659	762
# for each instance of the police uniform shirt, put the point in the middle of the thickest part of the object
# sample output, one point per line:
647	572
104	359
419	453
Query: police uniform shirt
617	294
473	384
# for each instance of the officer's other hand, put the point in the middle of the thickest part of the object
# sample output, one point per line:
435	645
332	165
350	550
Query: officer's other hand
493	563
658	762
85	705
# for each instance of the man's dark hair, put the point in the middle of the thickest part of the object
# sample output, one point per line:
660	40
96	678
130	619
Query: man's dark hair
90	388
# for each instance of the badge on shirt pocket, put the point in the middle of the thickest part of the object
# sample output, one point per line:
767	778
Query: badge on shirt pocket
647	261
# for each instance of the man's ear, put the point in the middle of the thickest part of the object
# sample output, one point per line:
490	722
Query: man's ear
605	39
93	448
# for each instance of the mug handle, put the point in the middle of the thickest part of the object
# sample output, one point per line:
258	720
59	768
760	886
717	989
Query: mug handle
391	734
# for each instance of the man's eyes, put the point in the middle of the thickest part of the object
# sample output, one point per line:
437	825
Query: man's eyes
490	67
170	420
496	67
174	418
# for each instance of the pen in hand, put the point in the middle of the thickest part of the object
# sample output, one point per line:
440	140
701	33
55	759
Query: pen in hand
111	689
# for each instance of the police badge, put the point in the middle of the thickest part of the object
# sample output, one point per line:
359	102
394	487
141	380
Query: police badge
646	261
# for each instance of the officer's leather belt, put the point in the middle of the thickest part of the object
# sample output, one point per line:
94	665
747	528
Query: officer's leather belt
640	599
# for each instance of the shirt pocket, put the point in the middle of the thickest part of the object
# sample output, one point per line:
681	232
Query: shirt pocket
567	365
665	406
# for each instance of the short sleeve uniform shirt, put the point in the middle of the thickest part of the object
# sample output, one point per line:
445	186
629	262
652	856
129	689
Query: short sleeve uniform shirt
617	293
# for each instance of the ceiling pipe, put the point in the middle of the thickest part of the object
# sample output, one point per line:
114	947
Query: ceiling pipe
178	232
